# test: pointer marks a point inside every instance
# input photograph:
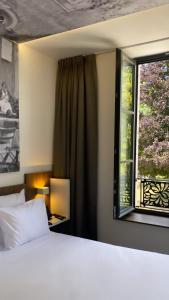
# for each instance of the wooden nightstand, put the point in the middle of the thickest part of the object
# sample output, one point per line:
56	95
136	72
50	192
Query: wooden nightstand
59	224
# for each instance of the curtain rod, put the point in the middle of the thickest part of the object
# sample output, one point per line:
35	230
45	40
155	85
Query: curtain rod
133	45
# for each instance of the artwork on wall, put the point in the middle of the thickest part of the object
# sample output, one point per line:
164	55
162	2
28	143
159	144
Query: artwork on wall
9	107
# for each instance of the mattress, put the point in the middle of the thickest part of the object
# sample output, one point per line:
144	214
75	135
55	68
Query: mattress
63	267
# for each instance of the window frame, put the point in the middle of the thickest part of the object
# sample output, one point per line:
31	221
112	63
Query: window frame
138	61
117	212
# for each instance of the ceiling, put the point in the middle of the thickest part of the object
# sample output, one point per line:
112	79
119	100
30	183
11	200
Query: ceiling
141	33
23	20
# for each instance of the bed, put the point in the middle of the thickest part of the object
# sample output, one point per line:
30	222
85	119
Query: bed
57	266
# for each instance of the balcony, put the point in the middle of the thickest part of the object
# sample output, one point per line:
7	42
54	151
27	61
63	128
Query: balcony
152	194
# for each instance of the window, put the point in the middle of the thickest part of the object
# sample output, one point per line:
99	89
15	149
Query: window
141	160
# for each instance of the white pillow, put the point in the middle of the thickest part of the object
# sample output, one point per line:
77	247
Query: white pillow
23	223
12	199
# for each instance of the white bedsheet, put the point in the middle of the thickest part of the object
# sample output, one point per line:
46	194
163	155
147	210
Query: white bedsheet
60	267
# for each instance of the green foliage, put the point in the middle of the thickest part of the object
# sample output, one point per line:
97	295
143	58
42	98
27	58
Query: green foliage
126	106
127	77
145	109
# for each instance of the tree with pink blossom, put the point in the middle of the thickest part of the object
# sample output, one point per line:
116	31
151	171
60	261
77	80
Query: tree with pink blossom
153	142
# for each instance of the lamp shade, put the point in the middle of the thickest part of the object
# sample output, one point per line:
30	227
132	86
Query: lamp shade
60	196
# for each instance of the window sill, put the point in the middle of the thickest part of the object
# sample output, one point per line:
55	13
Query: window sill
147	219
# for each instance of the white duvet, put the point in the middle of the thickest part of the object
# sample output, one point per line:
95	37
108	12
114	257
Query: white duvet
60	267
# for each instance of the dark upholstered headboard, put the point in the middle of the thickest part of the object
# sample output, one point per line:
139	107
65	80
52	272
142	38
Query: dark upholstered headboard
11	189
32	182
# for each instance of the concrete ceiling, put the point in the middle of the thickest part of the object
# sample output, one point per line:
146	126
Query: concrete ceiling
151	26
23	20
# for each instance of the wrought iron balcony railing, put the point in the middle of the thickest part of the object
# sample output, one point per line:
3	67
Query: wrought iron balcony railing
151	194
154	194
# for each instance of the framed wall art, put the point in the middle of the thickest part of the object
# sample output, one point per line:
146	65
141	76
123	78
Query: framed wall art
9	107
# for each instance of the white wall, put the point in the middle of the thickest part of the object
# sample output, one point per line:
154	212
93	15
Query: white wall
118	232
37	80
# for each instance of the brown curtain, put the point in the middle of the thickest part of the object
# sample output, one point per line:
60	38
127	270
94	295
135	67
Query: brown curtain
75	139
